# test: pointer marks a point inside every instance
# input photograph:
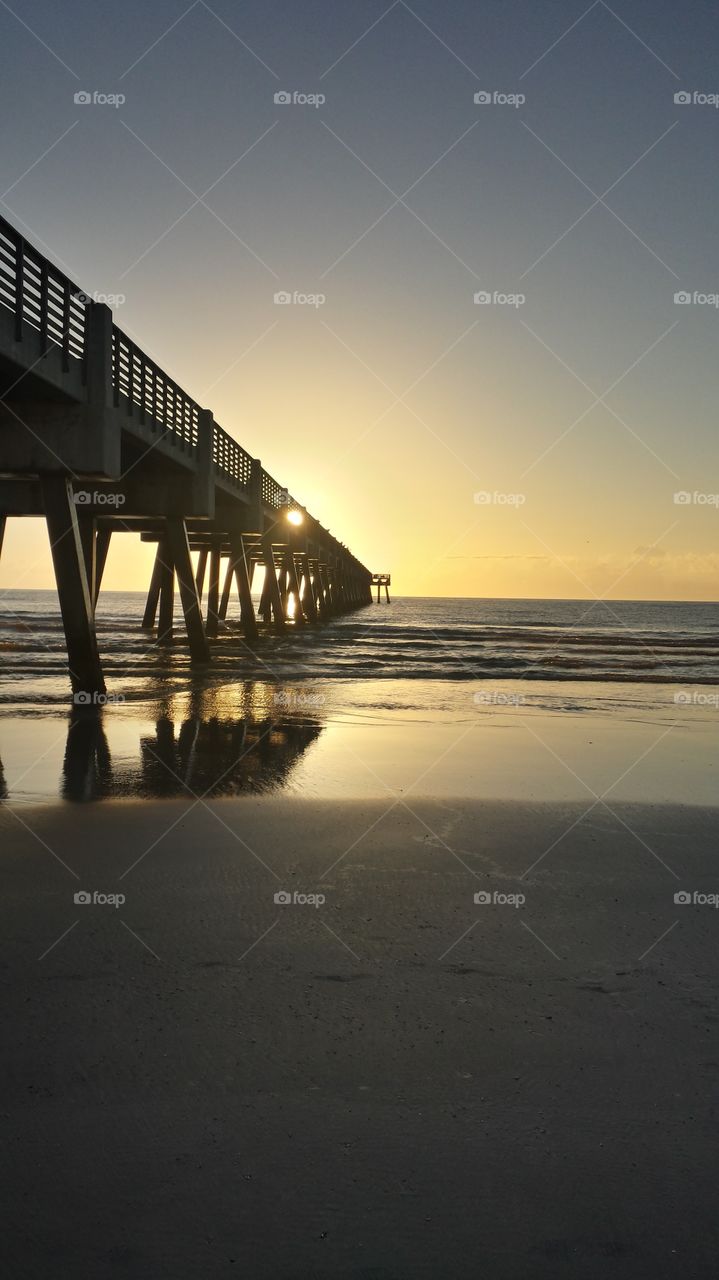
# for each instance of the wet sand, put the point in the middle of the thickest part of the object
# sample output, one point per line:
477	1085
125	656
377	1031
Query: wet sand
395	1083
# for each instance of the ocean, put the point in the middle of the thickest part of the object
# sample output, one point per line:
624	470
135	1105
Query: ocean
303	712
410	640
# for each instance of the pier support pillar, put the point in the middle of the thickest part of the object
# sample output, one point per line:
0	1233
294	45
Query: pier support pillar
179	547
225	599
272	586
309	604
86	525
265	609
102	546
213	590
238	564
167	592
293	587
73	589
200	576
153	595
321	579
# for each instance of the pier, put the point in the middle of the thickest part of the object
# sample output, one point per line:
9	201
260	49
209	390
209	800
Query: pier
98	440
380	580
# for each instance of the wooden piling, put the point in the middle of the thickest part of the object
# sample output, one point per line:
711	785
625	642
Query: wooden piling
179	547
309	604
102	546
244	588
293	587
167	593
200	575
153	595
73	589
227	588
274	595
213	590
86	525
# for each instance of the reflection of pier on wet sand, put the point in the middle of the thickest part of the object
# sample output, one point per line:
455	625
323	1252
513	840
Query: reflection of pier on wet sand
191	756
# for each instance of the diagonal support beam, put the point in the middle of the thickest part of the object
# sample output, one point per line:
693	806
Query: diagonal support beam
102	546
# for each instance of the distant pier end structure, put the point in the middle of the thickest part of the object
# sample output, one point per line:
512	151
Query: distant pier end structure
96	438
380	580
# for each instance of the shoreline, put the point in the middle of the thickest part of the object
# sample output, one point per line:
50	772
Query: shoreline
437	740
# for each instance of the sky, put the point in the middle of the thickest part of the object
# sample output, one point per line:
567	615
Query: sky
529	443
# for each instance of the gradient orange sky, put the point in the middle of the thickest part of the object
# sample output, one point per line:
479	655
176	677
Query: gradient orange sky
389	407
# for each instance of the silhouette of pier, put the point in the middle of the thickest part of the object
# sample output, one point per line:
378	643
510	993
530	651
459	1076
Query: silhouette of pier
380	580
99	440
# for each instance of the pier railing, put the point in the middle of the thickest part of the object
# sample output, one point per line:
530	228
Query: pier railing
232	461
41	296
273	495
159	401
